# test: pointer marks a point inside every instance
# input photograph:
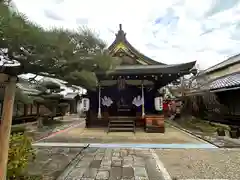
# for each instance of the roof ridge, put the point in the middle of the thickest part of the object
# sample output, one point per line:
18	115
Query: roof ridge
121	37
214	67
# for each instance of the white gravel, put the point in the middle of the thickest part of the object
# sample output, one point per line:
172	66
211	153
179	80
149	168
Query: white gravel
201	163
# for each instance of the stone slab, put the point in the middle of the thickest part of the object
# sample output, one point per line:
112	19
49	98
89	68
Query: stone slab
117	164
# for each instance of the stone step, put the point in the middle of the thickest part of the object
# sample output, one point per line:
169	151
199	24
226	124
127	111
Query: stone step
121	129
121	125
122	121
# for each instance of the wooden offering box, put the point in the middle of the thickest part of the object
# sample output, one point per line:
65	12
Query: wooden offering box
154	123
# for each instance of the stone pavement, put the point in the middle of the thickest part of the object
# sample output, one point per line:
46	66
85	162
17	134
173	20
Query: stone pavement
113	164
135	164
50	162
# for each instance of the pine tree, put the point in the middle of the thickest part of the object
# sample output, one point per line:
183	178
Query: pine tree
73	56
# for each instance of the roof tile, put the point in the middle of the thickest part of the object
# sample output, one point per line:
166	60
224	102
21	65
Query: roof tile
232	80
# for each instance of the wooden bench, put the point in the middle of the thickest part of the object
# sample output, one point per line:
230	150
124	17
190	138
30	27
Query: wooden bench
154	123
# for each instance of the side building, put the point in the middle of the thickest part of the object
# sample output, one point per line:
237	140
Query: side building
222	80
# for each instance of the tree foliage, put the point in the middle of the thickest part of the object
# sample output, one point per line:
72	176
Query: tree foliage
20	153
73	56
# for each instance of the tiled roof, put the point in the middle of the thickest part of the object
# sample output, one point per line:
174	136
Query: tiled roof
227	62
70	95
5	60
229	81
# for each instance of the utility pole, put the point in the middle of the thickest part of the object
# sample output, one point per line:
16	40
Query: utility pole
6	122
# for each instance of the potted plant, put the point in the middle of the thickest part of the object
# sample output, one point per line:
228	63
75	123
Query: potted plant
234	132
221	131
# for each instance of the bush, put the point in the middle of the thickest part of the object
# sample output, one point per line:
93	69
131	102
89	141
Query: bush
20	153
17	129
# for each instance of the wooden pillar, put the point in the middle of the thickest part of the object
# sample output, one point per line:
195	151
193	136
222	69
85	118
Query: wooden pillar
5	128
143	106
31	110
1	108
99	101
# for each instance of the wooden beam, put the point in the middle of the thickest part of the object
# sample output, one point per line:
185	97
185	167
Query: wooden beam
6	123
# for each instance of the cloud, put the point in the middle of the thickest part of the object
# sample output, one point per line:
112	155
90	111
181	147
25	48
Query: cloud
82	21
151	46
222	5
50	14
174	31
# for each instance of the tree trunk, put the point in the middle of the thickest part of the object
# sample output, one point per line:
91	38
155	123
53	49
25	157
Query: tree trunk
39	117
54	112
5	128
40	121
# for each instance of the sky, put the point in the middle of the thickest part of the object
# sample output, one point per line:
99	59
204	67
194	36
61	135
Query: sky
171	31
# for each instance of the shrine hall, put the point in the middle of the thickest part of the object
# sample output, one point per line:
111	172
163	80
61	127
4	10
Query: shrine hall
125	98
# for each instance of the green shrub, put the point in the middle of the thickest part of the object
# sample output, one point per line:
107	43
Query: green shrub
20	153
18	129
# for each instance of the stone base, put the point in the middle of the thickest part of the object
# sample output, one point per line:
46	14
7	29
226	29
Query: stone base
155	129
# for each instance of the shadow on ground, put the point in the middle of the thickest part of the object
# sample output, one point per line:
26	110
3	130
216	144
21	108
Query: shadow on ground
51	162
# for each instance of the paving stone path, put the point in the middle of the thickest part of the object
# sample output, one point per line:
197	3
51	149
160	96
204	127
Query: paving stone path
50	162
113	164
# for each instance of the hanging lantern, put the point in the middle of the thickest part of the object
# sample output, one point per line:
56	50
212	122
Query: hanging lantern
85	104
158	102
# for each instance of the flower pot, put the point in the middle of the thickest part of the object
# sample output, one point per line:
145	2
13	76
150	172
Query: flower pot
220	132
233	134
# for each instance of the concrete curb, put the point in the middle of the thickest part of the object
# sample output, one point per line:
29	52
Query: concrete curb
63	145
160	165
135	146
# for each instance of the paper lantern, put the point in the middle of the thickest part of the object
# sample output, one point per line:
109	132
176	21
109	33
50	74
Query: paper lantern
85	104
158	102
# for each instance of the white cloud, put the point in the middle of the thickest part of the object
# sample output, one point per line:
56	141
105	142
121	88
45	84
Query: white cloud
174	31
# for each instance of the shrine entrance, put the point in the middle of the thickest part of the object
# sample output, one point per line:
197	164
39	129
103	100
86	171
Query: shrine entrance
122	96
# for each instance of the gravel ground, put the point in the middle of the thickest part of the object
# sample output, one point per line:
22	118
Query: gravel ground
220	141
81	134
201	164
36	133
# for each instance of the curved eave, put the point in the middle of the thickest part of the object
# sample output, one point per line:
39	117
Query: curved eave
151	69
